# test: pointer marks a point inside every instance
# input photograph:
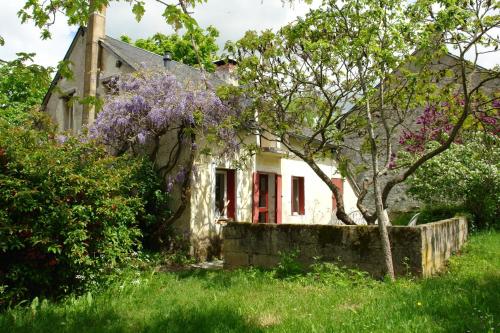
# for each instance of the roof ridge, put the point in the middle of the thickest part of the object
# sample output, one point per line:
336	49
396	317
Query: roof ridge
132	45
155	54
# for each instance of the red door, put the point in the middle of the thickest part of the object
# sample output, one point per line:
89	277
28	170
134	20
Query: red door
263	202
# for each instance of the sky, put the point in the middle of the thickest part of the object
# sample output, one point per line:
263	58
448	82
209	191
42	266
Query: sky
231	17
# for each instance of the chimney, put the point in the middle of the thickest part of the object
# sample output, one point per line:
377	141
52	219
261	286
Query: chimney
167	58
96	30
226	70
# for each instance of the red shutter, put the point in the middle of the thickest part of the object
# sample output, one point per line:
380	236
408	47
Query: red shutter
255	195
301	196
231	194
340	185
278	198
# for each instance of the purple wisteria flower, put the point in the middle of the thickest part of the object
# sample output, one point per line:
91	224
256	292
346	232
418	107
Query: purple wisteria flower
153	103
61	139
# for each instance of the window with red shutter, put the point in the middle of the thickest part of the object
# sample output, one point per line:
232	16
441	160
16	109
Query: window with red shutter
298	205
225	193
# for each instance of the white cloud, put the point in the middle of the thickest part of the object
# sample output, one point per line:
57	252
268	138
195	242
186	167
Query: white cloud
26	37
231	18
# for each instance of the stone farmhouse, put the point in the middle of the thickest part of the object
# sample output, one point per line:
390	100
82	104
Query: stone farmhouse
274	187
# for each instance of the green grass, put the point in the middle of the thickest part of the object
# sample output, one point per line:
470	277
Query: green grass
464	299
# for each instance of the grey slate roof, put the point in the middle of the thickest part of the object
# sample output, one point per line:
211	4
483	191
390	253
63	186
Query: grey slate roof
139	58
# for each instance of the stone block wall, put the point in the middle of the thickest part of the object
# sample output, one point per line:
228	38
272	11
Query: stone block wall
439	241
420	250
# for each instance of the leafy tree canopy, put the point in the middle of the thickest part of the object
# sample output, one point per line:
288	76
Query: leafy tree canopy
22	86
465	175
181	47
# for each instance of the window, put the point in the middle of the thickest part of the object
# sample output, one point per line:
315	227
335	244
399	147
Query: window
262	190
225	194
220	192
68	112
298	196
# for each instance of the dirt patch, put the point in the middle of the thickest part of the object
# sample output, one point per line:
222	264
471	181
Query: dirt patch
268	320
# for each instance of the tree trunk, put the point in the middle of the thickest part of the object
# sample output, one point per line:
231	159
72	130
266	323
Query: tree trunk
380	210
383	221
339	197
161	230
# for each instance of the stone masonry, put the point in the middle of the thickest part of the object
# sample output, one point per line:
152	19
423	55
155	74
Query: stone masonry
421	250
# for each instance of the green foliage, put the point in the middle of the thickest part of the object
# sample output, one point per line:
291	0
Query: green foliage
181	47
22	87
331	274
402	218
466	298
68	212
288	267
437	212
467	176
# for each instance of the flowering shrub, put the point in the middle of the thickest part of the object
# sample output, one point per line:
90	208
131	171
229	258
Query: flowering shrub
467	175
149	104
151	110
436	123
68	212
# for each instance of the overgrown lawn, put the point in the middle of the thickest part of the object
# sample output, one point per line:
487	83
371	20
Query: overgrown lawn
464	299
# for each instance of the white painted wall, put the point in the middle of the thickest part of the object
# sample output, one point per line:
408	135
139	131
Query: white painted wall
318	197
203	224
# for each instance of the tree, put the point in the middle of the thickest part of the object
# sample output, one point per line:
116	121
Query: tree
181	47
22	87
377	60
153	114
465	176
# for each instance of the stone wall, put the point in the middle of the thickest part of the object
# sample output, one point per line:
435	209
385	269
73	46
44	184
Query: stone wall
439	241
420	250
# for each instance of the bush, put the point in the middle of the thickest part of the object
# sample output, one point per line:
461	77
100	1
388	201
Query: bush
466	177
68	212
289	266
435	213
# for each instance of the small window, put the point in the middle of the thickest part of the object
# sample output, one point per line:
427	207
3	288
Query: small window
225	193
298	196
220	193
68	112
263	189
